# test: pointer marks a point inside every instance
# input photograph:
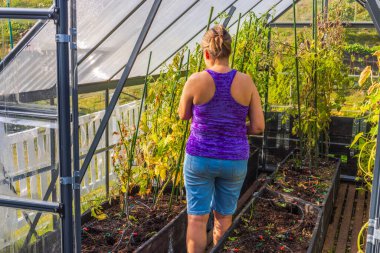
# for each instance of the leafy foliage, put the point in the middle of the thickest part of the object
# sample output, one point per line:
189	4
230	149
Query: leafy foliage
322	75
365	143
159	147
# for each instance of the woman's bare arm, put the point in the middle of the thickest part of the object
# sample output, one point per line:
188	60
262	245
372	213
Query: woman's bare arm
256	123
185	110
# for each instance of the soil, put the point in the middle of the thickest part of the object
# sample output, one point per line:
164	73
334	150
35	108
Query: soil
115	235
311	185
273	225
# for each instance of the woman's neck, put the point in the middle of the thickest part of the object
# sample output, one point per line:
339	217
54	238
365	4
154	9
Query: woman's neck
221	65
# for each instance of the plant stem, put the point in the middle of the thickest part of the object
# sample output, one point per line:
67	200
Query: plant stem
236	41
187	122
175	86
300	135
10	27
179	162
245	48
315	80
133	143
266	98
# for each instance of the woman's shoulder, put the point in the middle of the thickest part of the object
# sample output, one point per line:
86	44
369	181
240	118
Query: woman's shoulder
198	77
244	79
243	76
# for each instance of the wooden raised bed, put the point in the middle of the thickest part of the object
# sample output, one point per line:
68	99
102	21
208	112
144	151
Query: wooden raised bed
260	239
327	206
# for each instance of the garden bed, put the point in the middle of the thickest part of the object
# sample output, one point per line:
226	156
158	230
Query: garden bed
273	222
318	185
116	234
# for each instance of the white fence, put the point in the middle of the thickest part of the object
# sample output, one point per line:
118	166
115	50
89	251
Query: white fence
27	162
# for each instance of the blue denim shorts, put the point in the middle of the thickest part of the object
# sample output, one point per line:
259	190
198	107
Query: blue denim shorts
213	184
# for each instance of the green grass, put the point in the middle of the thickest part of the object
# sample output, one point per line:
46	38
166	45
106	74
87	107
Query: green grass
304	10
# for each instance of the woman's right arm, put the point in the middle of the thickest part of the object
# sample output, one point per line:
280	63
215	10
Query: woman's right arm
185	110
255	113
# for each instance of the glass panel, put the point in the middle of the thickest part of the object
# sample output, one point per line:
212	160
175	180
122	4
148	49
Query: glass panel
97	18
187	26
34	69
28	162
16	234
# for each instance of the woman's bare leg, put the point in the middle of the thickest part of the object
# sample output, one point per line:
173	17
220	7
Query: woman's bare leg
221	224
196	238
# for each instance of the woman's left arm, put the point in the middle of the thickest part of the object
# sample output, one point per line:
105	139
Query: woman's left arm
185	110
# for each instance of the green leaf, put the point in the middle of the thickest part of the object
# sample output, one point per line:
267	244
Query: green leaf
357	137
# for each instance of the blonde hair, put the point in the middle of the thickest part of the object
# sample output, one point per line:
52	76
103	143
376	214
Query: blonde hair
217	41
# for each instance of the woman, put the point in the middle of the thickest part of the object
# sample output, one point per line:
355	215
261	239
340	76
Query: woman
218	100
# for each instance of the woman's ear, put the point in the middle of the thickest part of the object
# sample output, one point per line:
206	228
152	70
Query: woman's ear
207	54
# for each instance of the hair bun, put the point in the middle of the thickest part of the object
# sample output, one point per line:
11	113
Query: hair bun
217	41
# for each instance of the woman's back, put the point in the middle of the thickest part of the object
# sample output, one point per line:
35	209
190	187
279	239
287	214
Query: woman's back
221	102
218	100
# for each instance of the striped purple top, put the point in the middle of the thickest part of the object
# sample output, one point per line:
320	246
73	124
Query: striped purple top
218	128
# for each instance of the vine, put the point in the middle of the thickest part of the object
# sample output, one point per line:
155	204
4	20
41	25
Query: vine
365	142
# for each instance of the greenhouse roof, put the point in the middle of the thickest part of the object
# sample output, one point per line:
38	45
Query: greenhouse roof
107	32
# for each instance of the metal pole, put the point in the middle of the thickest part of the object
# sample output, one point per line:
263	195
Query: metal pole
134	138
63	87
195	35
28	13
297	75
315	77
159	35
266	103
75	118
374	206
29	204
10	27
229	16
54	171
106	103
326	9
111	32
120	87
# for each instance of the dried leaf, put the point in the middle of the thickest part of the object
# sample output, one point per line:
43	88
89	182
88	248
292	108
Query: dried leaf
102	216
364	75
357	137
377	53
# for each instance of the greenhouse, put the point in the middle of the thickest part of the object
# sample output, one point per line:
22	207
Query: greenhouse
93	146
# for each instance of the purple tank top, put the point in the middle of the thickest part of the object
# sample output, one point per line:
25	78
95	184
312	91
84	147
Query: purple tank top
218	128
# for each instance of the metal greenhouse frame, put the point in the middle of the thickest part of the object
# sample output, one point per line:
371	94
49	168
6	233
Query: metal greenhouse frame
71	173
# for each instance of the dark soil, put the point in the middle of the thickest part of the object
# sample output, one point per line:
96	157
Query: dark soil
311	185
273	225
115	235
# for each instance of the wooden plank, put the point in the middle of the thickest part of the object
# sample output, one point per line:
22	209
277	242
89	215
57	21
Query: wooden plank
41	154
331	231
366	208
346	220
358	222
92	171
130	122
100	157
32	165
21	168
87	139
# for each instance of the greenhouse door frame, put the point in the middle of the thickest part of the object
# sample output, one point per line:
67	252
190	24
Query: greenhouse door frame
69	183
59	13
